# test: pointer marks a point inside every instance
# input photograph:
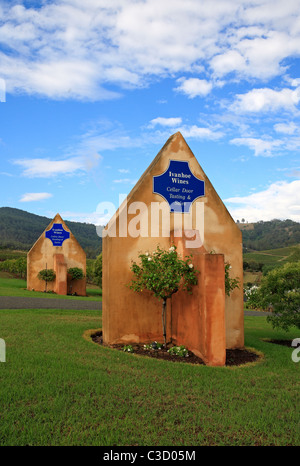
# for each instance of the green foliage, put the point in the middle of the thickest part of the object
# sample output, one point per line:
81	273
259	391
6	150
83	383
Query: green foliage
272	234
230	283
163	273
48	275
153	346
17	267
179	351
280	291
76	273
128	349
97	270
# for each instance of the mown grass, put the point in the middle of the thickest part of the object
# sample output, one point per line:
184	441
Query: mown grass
17	287
59	389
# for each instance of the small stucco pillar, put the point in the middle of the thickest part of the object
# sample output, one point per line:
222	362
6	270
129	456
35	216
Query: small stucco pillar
60	269
198	320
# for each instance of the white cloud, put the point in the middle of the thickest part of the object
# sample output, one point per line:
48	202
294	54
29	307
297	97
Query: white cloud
196	132
123	170
75	49
124	180
281	200
265	100
44	168
93	218
194	87
266	148
33	197
286	128
161	121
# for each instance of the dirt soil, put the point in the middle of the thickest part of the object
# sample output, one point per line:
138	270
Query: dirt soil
281	342
234	357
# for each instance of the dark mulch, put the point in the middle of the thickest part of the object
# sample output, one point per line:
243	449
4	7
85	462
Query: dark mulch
281	342
234	357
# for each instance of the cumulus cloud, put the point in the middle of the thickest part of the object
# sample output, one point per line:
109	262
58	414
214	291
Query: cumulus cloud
265	100
74	49
194	87
169	122
44	168
197	132
266	148
280	200
286	128
33	197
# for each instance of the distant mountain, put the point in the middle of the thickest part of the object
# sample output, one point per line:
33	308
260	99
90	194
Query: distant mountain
20	230
270	235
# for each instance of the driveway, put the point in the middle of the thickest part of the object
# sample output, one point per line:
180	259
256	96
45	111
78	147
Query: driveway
15	302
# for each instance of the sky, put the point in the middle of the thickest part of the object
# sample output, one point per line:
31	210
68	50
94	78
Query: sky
90	92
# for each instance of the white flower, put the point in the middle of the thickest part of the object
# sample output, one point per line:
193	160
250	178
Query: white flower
149	259
172	248
191	266
147	254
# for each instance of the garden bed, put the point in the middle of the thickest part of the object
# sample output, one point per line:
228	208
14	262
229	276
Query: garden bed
234	357
281	342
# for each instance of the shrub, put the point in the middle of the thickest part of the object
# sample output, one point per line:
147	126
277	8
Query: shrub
76	273
179	351
48	275
280	289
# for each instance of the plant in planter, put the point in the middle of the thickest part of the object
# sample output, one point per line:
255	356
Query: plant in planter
163	273
48	275
75	273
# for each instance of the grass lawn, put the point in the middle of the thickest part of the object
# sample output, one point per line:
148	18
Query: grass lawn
17	287
59	389
271	256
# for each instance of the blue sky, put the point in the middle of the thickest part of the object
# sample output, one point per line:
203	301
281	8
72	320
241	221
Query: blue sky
90	91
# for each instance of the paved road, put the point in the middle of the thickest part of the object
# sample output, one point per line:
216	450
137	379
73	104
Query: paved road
15	302
257	313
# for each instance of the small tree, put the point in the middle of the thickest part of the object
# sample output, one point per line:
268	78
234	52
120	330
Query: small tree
280	289
76	273
163	273
48	275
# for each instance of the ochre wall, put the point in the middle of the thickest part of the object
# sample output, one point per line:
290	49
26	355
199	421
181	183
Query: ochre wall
136	317
44	253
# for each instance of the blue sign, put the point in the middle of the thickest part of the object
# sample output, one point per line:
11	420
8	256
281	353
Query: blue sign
57	234
179	186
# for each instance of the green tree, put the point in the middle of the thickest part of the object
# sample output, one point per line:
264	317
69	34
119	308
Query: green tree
98	270
280	289
163	273
48	275
76	273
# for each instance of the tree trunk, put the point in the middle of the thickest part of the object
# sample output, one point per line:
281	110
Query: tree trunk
163	316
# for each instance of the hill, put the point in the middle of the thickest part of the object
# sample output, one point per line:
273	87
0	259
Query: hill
20	230
274	234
